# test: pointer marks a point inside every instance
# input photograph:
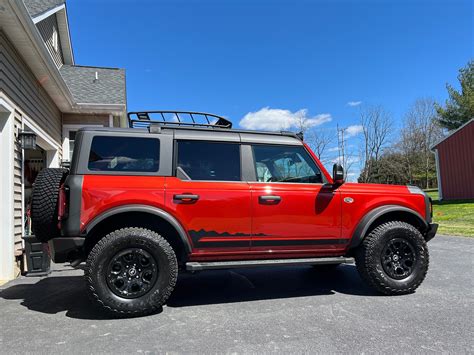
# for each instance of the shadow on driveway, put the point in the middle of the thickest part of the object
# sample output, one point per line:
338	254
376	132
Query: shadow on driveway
56	294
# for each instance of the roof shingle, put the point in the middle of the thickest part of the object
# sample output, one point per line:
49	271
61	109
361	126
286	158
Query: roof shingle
108	88
38	7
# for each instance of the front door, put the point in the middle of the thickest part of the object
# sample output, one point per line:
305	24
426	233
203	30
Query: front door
293	209
208	197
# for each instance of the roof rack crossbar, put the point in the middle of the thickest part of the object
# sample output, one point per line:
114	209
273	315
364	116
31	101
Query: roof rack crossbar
142	119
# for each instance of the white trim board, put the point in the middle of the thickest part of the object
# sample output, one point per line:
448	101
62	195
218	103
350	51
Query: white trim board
48	13
7	223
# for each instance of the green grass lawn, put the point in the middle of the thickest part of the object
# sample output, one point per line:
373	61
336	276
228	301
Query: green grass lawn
454	217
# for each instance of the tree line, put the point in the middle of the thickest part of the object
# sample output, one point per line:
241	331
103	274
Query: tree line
407	158
404	158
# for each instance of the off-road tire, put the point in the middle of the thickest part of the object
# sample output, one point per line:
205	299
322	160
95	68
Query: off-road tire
44	203
368	258
103	253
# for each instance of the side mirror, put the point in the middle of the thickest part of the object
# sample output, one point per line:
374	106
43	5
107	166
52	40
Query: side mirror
338	174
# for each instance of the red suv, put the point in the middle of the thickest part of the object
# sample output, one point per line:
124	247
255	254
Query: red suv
140	205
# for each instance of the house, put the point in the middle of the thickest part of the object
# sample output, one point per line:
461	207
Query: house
455	163
45	94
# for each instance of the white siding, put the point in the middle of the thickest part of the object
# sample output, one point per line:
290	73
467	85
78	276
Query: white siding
20	85
50	33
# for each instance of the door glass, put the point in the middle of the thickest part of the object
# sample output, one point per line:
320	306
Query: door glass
209	160
275	163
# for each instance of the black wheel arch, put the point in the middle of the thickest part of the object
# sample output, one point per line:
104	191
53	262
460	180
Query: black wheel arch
144	216
383	214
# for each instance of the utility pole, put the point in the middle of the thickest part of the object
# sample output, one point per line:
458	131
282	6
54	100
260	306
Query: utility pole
341	145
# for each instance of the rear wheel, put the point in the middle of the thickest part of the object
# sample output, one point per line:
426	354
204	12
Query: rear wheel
131	271
393	258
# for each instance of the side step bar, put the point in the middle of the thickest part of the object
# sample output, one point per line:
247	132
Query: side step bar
198	266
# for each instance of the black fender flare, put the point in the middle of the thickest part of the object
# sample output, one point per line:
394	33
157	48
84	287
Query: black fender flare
370	217
146	209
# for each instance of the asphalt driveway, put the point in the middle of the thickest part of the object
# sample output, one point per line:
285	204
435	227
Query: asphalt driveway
256	310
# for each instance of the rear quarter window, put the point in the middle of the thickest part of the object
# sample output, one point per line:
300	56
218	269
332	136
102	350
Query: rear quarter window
124	154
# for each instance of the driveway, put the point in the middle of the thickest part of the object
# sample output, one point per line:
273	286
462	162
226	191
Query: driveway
255	310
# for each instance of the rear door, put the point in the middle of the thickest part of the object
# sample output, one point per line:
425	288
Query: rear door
208	196
293	209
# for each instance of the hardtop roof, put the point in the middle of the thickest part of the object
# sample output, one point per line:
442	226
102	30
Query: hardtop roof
203	132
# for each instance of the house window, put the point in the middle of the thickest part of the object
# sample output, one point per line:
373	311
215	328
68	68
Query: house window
54	40
72	137
69	136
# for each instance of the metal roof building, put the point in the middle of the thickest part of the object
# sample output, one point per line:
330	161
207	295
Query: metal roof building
455	163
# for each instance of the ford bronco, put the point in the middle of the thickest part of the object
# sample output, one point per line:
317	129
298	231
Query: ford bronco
141	204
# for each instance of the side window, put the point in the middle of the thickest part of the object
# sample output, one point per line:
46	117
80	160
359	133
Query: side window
127	154
209	160
279	163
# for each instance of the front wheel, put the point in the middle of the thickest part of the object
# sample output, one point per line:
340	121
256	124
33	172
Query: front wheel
131	271
393	258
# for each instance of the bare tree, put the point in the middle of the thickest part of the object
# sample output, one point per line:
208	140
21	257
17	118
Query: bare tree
319	140
420	131
377	125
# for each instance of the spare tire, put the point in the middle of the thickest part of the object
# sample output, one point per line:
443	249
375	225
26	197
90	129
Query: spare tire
44	203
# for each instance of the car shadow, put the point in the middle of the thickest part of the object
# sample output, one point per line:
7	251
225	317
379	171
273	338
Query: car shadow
68	294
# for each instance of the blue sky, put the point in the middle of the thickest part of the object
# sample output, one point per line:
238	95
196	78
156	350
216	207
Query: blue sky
235	57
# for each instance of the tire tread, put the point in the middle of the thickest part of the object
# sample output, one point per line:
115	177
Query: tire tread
44	203
367	267
104	243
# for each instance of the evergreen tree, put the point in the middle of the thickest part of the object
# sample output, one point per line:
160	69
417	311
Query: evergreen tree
460	105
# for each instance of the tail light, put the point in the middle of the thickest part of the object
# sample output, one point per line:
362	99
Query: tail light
63	204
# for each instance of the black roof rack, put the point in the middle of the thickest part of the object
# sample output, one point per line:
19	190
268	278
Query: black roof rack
144	119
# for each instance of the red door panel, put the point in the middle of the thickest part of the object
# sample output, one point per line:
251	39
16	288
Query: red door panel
215	214
296	217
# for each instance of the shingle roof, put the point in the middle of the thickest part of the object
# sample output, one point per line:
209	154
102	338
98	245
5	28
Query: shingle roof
37	7
109	88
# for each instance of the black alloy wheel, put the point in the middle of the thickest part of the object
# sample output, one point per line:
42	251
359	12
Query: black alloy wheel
132	273
398	258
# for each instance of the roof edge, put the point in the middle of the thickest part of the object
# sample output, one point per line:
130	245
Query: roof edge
45	14
451	134
21	12
94	67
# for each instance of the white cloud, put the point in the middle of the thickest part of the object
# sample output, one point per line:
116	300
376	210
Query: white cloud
334	149
353	130
354	103
272	119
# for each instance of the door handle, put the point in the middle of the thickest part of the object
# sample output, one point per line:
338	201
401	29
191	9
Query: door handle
186	198
269	199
